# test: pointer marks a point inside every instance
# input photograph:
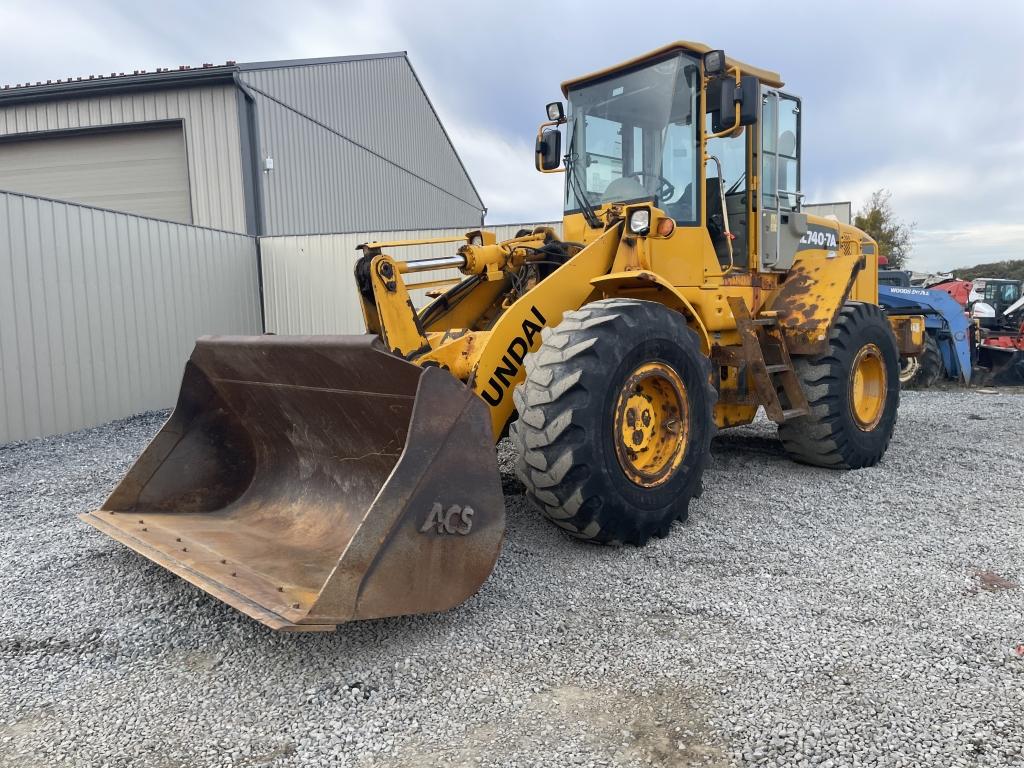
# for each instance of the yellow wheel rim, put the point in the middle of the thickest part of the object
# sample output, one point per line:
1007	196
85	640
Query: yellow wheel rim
867	387
652	424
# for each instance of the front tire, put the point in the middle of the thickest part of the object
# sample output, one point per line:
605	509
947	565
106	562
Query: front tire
615	421
853	391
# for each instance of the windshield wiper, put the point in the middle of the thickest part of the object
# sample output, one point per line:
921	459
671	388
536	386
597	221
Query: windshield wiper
578	189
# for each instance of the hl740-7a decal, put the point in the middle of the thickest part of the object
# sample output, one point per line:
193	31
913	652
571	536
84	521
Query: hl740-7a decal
818	237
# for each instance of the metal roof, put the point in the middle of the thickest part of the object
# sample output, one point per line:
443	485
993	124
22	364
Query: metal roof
325	60
163	77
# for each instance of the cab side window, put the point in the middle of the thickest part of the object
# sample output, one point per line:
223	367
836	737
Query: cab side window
780	162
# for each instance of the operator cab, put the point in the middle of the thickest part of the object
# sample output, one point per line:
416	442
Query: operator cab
663	130
991	299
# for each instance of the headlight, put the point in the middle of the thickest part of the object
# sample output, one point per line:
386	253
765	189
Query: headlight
476	239
640	221
556	113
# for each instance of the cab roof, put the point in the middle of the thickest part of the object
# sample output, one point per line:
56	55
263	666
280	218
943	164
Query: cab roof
766	76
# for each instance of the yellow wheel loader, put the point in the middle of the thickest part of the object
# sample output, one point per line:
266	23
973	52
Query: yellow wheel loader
309	481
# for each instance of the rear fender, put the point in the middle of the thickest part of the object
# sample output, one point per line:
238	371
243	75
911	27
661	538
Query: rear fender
815	289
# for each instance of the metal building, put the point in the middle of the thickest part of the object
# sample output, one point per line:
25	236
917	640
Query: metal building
841	212
341	144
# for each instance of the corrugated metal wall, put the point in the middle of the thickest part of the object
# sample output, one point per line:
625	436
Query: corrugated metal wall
99	310
356	145
210	116
308	287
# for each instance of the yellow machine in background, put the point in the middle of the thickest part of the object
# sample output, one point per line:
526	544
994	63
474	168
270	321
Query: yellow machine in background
313	480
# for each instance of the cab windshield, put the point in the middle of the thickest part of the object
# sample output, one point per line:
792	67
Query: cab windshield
634	137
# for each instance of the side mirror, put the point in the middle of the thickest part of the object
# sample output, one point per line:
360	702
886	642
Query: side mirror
724	95
549	150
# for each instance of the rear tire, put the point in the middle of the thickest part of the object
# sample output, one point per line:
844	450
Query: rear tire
926	369
615	421
853	391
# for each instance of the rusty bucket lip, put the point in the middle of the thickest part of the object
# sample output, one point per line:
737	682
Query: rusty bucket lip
199	579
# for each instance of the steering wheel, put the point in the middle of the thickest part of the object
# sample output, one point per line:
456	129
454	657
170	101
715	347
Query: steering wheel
665	190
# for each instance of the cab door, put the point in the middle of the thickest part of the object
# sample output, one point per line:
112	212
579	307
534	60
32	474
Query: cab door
782	224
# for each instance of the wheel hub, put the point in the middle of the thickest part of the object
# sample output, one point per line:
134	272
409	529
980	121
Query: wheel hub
908	368
868	387
651	424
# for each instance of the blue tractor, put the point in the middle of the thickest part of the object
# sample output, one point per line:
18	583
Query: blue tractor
949	332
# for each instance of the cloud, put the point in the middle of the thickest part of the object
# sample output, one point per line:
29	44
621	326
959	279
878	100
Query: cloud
986	235
341	29
502	168
45	40
936	195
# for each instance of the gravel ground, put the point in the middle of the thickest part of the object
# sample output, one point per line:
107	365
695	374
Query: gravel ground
801	617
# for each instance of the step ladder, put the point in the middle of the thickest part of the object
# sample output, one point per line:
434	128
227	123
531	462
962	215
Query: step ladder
768	362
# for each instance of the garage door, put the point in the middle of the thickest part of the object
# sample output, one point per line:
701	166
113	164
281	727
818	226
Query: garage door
141	171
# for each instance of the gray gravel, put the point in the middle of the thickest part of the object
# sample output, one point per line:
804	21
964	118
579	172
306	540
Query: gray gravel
801	617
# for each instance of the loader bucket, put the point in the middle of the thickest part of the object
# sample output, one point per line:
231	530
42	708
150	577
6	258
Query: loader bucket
309	481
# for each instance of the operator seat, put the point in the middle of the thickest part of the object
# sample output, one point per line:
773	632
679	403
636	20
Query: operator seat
624	188
682	209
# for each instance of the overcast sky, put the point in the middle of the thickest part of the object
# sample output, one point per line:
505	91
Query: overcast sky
925	99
